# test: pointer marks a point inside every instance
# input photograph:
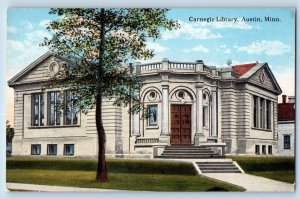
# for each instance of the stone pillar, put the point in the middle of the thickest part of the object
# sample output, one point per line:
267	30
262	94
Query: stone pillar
136	123
258	113
199	136
214	114
165	111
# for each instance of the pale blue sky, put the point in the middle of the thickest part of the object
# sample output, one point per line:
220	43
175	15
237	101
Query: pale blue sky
214	42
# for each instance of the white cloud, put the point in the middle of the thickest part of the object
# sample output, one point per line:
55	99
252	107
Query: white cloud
190	31
37	35
223	46
227	51
27	25
12	29
156	47
44	23
271	48
286	81
198	48
239	24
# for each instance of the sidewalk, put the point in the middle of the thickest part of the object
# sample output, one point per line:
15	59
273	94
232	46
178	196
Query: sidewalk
48	188
252	183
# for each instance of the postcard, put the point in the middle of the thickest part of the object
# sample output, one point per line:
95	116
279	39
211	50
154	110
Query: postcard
154	99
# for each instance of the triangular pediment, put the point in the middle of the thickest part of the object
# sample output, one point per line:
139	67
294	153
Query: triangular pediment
263	77
38	71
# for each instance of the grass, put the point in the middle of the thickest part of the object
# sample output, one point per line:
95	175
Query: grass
139	175
276	168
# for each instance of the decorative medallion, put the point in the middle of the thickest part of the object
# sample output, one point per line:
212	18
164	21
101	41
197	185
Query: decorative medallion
262	76
54	67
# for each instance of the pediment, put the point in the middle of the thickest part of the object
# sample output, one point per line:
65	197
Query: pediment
38	71
263	77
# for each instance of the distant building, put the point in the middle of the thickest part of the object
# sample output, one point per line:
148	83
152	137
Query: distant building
286	126
190	103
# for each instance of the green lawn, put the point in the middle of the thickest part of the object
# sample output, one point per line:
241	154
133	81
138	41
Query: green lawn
123	174
277	168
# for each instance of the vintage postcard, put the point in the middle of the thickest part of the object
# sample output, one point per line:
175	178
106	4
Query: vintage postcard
127	99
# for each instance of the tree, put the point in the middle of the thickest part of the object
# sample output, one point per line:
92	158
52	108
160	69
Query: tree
10	132
97	42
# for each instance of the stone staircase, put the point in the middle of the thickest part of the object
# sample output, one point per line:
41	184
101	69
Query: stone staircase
189	152
218	167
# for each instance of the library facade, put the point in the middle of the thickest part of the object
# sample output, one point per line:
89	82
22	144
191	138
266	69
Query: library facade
232	109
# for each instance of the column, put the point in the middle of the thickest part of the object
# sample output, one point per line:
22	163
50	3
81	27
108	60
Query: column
199	111
165	110
214	114
136	122
258	112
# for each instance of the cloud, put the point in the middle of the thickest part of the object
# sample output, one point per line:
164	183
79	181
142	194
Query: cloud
286	81
12	29
198	48
190	31
156	47
271	48
37	35
239	24
227	51
44	23
27	26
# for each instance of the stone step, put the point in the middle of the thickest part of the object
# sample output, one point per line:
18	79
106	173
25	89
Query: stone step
189	156
214	163
188	152
221	171
218	168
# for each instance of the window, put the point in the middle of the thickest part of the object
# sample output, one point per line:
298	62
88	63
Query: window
54	112
263	149
287	142
205	116
52	149
71	112
38	109
69	149
257	150
268	114
262	117
152	121
270	149
35	149
255	111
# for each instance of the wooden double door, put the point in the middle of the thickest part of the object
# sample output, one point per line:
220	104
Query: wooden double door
180	124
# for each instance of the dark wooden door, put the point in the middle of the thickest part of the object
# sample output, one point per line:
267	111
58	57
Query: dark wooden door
180	124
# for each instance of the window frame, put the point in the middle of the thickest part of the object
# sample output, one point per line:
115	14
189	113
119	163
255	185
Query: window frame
149	123
287	143
57	112
48	149
73	110
65	149
262	113
35	145
257	149
40	111
270	149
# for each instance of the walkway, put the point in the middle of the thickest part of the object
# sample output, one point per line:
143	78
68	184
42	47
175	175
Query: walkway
252	183
48	188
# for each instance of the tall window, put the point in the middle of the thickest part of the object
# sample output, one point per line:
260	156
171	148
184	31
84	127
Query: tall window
38	109
255	111
263	150
54	111
257	152
205	116
270	149
287	142
268	114
52	149
71	112
152	121
262	117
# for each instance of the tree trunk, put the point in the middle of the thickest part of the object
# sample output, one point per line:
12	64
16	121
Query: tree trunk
101	168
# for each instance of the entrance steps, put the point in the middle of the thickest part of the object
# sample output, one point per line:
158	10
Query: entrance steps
189	152
218	167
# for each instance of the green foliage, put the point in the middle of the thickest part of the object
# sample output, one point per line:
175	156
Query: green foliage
114	166
265	163
10	132
277	168
97	43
